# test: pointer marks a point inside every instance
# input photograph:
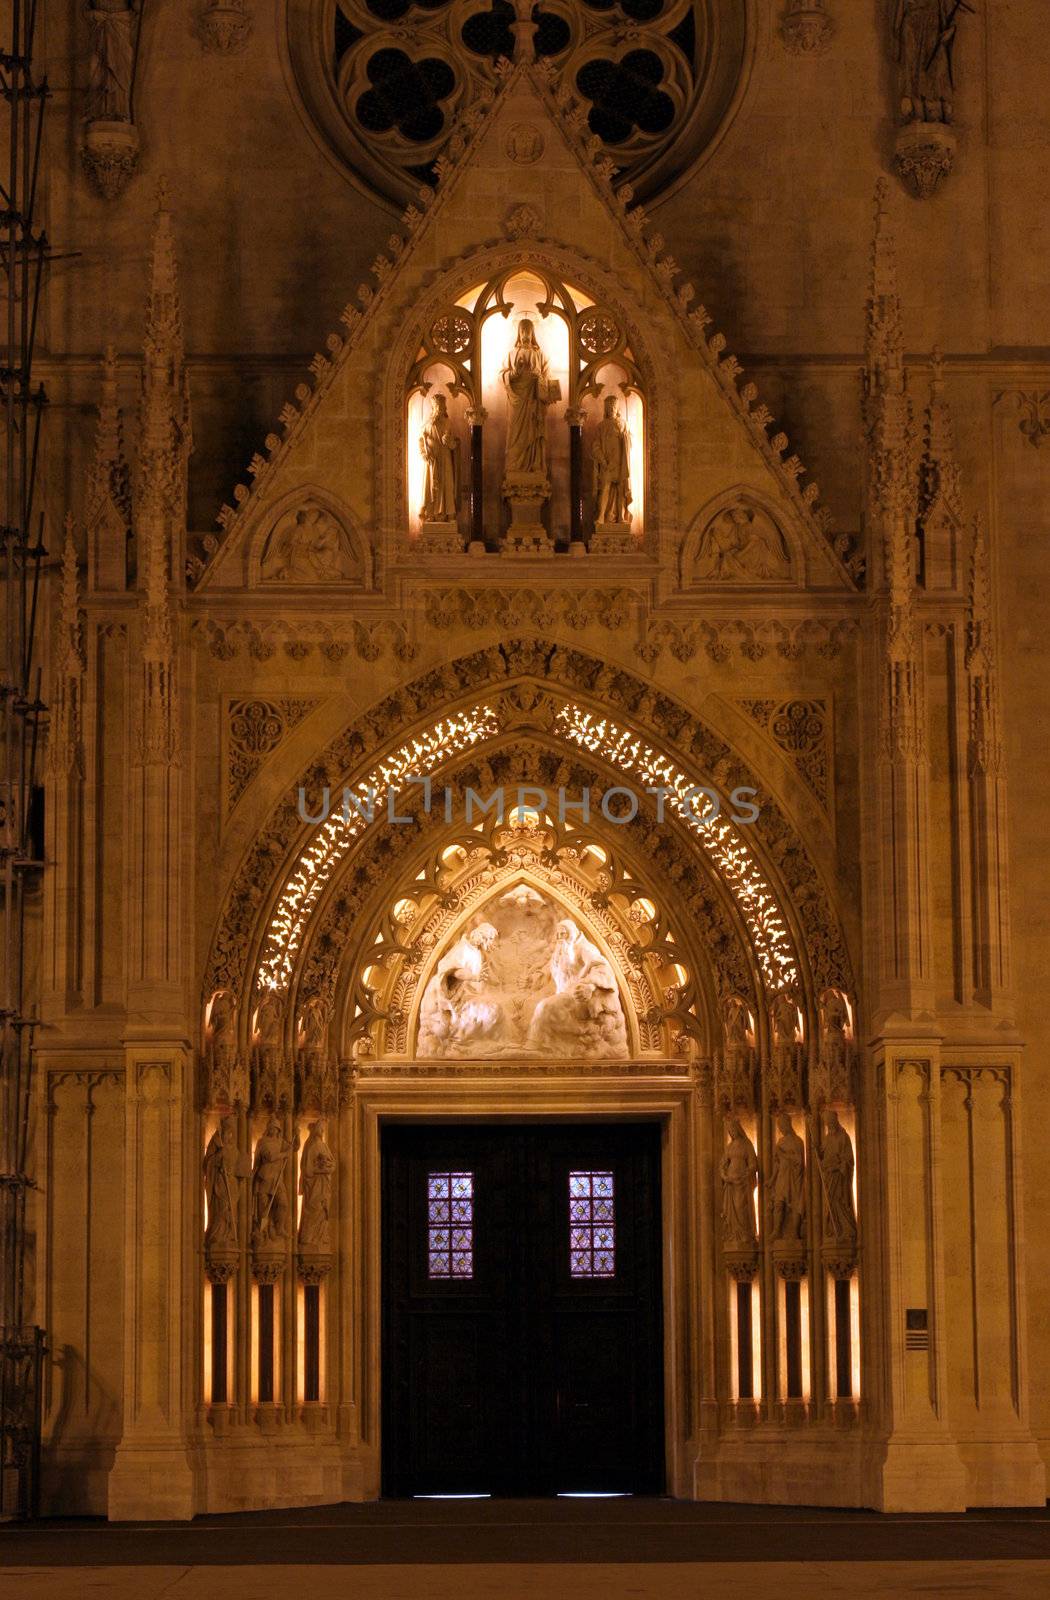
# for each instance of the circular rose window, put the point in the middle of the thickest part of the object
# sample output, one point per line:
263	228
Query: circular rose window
383	81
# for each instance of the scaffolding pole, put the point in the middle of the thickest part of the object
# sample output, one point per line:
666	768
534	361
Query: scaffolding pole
23	258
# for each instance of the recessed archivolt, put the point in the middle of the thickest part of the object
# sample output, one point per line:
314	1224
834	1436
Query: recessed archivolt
776	891
371	948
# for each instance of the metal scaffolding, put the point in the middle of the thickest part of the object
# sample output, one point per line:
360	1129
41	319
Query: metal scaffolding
23	256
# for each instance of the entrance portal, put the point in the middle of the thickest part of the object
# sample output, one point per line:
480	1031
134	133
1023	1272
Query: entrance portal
522	1331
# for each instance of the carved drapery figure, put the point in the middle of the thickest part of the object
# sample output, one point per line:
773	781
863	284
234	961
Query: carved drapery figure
270	1185
788	1183
836	1167
316	1167
459	1008
439	448
741	546
221	1168
739	1173
112	61
307	546
924	39
612	466
530	390
583	1016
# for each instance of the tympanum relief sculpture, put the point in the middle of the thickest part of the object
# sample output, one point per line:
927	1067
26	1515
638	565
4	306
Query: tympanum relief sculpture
308	546
741	544
924	39
523	981
485	389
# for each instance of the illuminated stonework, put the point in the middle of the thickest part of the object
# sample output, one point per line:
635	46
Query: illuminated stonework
315	865
423	755
623	748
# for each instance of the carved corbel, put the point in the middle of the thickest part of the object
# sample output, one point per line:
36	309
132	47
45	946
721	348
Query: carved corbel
806	28
222	27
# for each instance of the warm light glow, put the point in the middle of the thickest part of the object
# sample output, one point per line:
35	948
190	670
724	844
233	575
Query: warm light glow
428	751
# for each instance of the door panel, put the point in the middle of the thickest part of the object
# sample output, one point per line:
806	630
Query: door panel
541	1371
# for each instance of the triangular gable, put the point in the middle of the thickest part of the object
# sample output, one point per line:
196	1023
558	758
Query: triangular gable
503	167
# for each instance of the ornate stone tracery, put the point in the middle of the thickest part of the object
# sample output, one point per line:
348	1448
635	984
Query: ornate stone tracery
385	83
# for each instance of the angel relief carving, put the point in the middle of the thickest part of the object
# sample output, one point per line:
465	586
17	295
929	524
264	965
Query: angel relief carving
523	981
741	544
309	546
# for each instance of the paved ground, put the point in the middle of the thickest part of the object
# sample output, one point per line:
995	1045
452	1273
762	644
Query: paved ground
510	1550
946	1580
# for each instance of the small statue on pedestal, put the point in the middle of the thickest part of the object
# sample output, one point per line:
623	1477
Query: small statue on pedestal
530	389
439	448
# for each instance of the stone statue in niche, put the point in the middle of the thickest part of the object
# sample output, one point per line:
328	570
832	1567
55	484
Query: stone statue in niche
222	1167
110	151
739	1173
924	38
112	61
788	1183
836	1170
741	545
316	1166
270	1208
583	1016
524	981
439	448
924	33
308	546
530	390
612	467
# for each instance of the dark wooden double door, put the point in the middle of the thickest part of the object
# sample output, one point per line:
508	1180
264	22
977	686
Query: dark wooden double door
522	1338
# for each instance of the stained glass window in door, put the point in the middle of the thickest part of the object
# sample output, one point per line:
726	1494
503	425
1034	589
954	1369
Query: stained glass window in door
450	1224
592	1225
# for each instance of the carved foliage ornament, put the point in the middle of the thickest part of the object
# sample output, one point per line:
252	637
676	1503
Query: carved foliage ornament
924	37
643	706
386	81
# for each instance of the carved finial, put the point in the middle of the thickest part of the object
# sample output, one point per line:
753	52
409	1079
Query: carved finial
72	655
109	475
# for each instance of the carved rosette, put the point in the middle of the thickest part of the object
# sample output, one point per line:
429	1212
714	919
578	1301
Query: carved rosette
924	155
110	154
806	29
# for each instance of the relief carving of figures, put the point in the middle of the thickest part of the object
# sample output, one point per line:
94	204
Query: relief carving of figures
223	1166
788	1183
460	1009
736	1068
741	545
308	546
584	1016
270	1209
836	1170
612	466
785	1066
316	1166
439	448
530	390
270	1085
924	39
739	1174
524	981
